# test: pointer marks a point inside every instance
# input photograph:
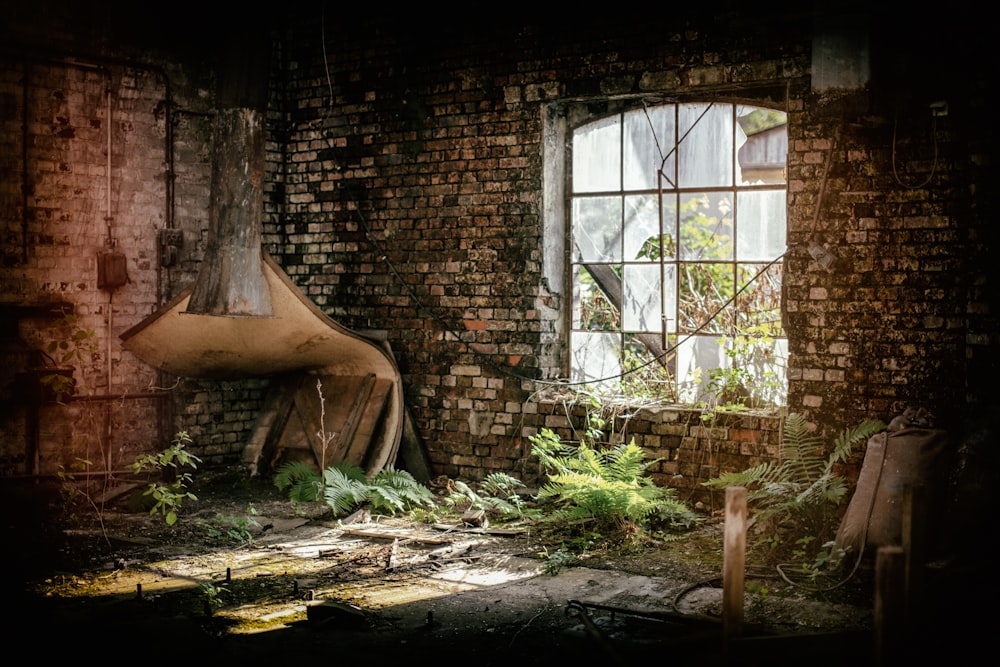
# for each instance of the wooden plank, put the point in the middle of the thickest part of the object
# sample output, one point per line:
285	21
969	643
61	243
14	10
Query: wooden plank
369	421
733	562
350	425
890	605
270	422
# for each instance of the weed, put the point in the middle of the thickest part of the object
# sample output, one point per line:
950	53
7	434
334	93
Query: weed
793	500
169	496
212	596
557	560
346	488
234	529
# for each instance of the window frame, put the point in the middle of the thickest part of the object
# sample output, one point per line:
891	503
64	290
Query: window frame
573	119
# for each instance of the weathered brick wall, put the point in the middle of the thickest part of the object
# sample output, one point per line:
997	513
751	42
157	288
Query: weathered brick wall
414	183
61	111
685	446
83	175
405	195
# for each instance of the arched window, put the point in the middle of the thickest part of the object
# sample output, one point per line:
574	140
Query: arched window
677	226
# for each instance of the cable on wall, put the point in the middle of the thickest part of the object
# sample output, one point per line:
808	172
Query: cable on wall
559	383
936	110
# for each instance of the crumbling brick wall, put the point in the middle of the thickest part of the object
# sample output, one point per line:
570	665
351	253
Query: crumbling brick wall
414	185
405	195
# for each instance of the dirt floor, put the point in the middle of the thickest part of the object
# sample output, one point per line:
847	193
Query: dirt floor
247	576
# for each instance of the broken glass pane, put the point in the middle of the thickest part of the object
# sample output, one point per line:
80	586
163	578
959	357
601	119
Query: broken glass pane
597	156
648	148
597	229
706	226
705	148
761	235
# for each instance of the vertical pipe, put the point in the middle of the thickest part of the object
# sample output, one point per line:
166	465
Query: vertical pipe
111	244
24	163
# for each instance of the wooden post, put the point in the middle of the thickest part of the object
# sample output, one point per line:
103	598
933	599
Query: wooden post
733	561
890	605
914	540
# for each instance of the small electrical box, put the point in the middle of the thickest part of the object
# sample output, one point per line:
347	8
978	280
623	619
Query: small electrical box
112	270
171	241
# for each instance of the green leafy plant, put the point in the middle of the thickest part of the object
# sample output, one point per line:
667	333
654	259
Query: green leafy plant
497	494
793	500
235	529
212	596
345	488
77	347
173	463
557	560
604	484
300	481
758	596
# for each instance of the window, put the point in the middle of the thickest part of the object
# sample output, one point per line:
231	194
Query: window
677	226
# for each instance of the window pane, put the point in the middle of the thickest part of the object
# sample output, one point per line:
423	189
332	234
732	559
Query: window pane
762	155
706	226
642	296
649	372
597	156
761	235
705	152
642	230
649	147
754	372
595	355
597	229
697	356
592	309
758	306
705	289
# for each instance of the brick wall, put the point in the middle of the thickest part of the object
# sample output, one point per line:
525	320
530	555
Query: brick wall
83	176
406	195
424	160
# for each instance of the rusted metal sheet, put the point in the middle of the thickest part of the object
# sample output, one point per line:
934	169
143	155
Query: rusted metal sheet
297	339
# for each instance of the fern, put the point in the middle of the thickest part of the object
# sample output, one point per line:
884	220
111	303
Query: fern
345	488
397	491
300	480
497	495
800	490
607	485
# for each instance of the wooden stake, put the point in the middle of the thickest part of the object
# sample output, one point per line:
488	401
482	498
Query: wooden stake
733	561
890	604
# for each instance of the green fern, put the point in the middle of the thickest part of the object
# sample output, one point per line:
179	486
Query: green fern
497	495
800	489
607	485
393	491
345	488
300	481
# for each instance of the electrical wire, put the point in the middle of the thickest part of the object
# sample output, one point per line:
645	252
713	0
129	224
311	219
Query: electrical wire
560	383
895	124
